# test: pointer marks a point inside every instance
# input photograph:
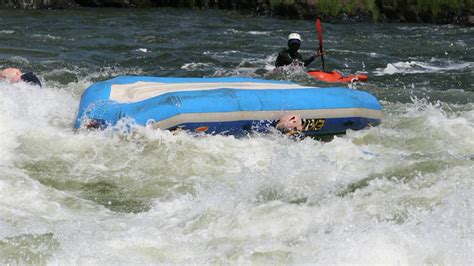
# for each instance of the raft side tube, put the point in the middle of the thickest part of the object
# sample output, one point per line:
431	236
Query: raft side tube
232	110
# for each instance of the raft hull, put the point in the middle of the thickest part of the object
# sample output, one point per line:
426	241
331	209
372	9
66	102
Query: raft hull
225	105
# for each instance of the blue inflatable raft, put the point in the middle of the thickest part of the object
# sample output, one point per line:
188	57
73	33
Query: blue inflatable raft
225	105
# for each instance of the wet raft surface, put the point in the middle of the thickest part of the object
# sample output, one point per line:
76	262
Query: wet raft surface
230	106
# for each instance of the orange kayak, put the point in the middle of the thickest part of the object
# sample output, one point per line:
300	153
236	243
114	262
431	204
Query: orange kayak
335	76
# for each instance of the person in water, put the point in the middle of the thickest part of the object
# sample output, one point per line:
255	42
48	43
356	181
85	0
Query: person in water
291	56
14	75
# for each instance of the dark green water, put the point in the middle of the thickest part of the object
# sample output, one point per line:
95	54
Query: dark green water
400	193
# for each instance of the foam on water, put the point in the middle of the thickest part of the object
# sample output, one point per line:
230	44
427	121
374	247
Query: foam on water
143	50
26	109
253	32
416	67
46	36
198	66
398	193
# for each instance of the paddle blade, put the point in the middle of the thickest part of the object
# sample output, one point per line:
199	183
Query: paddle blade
319	28
320	34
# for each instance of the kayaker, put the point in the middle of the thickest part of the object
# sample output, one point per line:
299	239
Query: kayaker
291	56
14	75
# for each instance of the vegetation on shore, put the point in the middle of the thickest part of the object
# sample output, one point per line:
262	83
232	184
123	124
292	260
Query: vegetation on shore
434	11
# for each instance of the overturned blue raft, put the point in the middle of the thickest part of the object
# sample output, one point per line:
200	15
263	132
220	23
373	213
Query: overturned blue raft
225	105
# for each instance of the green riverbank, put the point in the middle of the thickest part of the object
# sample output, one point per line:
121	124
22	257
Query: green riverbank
429	11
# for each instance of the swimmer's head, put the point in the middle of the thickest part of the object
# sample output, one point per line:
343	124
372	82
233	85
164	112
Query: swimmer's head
10	74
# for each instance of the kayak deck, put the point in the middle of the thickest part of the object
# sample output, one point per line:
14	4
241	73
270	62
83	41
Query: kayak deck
335	76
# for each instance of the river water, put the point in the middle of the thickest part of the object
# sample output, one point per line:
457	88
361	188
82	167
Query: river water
399	193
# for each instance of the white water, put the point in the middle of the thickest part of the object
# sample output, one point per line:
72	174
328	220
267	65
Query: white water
400	193
417	67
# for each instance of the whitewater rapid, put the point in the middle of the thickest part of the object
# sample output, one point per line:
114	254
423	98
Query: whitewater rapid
398	193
